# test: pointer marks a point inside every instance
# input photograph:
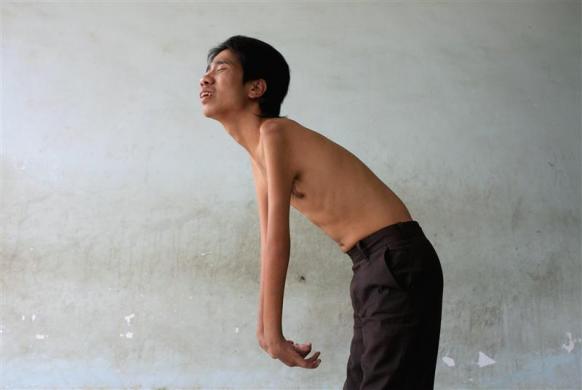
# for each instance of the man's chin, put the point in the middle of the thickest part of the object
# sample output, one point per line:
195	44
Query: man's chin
211	115
207	113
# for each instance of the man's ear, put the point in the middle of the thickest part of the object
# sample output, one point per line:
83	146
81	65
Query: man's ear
257	88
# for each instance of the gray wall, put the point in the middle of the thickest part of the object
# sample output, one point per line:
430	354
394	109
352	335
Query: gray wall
129	247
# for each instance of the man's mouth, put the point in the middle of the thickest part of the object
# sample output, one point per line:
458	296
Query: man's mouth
205	94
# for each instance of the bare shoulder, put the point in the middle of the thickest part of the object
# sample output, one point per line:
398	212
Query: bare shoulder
286	131
275	137
279	140
278	125
279	133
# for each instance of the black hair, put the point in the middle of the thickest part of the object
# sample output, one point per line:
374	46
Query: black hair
259	60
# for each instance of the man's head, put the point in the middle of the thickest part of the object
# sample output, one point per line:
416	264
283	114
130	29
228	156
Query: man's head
251	70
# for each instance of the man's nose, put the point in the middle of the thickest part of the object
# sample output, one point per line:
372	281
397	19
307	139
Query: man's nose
205	80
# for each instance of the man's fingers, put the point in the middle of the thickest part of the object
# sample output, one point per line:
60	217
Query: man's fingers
304	346
302	349
297	357
312	362
313	357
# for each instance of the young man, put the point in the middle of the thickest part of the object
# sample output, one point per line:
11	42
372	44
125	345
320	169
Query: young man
397	283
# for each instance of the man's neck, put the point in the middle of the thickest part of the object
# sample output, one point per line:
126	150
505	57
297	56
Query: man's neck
245	130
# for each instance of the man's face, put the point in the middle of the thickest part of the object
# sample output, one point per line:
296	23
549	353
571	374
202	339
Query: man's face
222	92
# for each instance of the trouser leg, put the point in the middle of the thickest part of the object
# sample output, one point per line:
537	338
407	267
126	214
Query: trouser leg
354	368
401	298
401	348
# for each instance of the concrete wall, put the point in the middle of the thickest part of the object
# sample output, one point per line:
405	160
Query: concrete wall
129	246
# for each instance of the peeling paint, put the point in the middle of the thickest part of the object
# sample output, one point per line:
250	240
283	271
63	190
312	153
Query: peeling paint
129	317
484	360
449	361
548	369
123	214
571	342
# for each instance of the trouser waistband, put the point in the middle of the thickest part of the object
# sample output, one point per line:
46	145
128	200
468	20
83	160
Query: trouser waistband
389	236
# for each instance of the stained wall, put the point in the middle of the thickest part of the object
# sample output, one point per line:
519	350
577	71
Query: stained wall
129	247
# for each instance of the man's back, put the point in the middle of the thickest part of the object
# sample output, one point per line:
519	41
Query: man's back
333	188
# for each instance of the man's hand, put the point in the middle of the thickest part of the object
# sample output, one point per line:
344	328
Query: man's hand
293	354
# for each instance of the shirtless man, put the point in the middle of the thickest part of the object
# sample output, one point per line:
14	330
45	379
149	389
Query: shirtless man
395	335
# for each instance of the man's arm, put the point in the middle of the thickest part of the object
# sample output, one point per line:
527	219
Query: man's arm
277	242
261	190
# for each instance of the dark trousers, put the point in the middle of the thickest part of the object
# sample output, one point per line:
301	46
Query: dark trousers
396	292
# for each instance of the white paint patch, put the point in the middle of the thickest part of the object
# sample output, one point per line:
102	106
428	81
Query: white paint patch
23	317
570	346
127	335
485	360
41	336
129	317
449	361
235	330
205	253
33	317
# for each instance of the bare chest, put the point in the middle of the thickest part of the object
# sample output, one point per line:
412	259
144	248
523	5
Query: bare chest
297	190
